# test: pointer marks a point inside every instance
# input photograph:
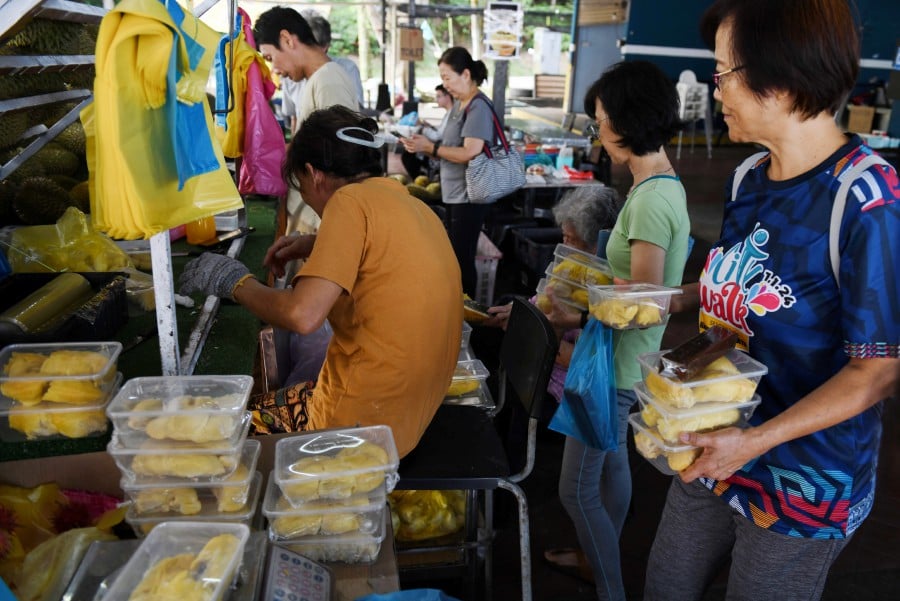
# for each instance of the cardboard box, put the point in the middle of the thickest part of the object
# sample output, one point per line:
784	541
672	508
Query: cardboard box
412	45
860	119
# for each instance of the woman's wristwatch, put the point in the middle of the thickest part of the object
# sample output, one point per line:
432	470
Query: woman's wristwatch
434	149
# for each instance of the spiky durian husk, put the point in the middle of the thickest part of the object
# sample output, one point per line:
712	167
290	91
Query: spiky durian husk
72	138
48	36
18	85
40	201
12	125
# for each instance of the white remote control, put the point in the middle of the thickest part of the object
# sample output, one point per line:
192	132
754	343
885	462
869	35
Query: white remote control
293	577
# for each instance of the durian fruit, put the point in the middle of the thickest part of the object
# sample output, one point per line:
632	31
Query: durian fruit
48	36
580	297
33	424
31	84
56	160
361	461
74	363
214	560
40	201
680	396
205	427
650	415
422	180
25	171
543	303
570	270
8	190
73	392
27	392
78	424
645	445
72	138
681	460
310	468
136	421
338	523
233	498
648	314
366	456
164	500
461	387
615	312
181	466
669	429
12	125
290	526
80	196
164	580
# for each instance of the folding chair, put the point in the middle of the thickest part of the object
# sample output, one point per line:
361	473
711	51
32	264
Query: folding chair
462	449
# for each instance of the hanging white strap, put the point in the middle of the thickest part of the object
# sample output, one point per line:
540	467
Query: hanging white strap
837	209
742	170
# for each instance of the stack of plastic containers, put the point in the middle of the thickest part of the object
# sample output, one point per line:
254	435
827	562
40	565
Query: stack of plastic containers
58	390
571	273
326	497
181	445
721	395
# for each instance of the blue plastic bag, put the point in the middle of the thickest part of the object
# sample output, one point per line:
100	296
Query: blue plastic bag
588	410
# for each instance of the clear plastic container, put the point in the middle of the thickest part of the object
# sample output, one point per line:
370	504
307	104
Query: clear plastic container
172	461
233	490
731	378
668	458
670	422
580	267
322	518
81	373
468	376
336	464
565	292
199	409
466	335
213	553
350	547
208	511
631	306
47	420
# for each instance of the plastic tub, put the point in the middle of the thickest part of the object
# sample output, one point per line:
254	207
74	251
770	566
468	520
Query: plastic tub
670	422
79	373
47	420
466	335
668	458
322	518
350	547
630	306
580	267
199	409
231	491
467	377
172	461
212	551
144	523
336	464
730	379
565	292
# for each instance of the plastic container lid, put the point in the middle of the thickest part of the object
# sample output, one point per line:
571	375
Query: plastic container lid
42	372
350	547
565	292
274	505
664	456
173	538
209	511
563	251
630	306
731	378
49	420
199	409
670	422
335	464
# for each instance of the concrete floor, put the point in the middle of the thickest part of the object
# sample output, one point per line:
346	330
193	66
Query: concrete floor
868	569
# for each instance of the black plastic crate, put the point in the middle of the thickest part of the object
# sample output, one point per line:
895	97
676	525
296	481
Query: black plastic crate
534	246
99	318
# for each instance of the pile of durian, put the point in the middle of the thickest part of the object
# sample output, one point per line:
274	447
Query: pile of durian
47	386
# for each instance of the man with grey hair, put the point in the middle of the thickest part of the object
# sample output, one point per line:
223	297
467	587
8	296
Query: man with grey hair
321	28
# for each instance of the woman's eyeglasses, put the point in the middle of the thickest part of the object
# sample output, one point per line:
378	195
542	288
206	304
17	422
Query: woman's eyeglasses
592	131
717	77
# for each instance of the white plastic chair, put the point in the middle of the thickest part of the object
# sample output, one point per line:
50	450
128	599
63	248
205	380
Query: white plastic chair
694	105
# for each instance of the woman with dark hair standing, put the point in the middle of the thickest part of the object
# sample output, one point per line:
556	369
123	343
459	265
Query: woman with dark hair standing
377	248
811	286
635	109
469	127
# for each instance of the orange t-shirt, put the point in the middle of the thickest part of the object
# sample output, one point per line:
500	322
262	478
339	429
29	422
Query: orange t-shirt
398	324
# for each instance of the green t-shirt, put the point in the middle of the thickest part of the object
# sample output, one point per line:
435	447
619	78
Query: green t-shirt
655	212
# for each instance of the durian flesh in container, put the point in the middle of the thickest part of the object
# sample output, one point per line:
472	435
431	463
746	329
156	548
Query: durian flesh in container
75	373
